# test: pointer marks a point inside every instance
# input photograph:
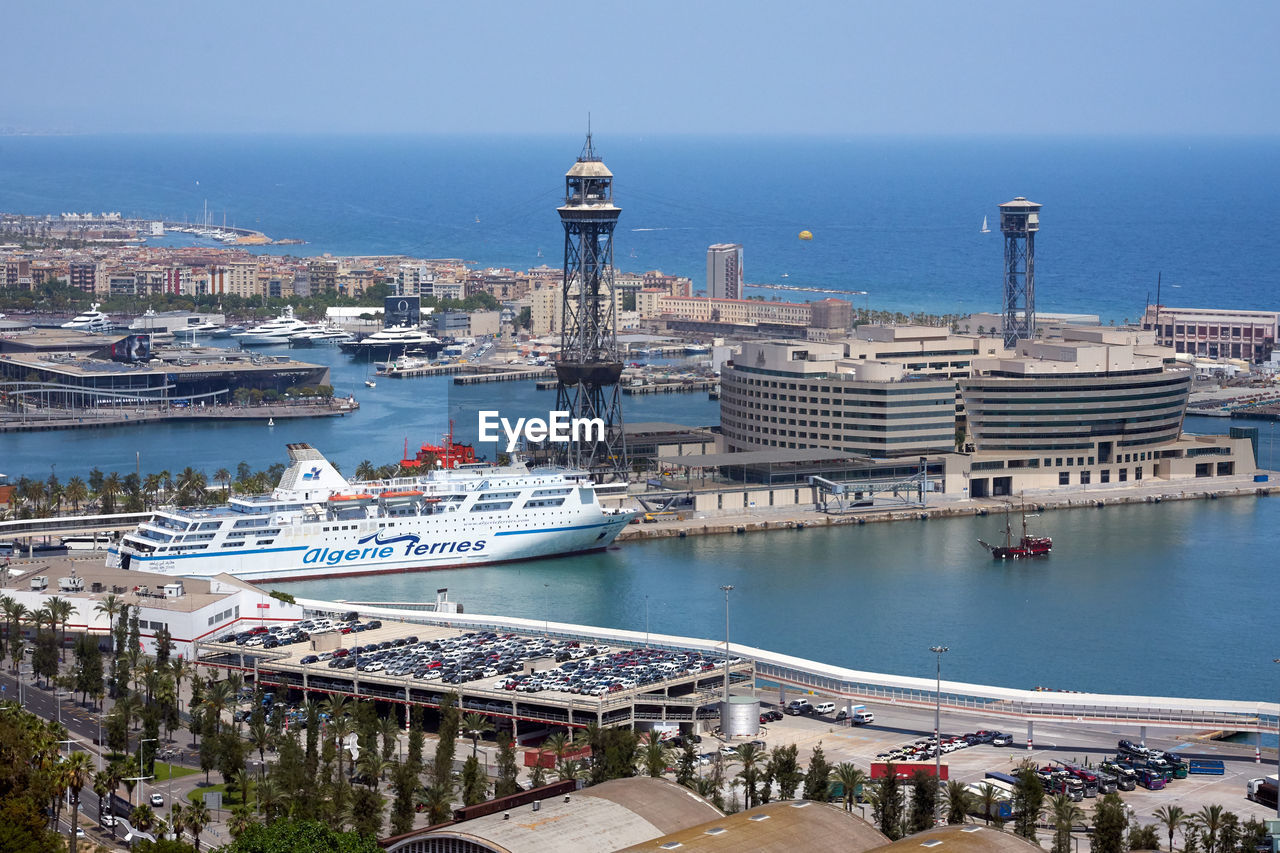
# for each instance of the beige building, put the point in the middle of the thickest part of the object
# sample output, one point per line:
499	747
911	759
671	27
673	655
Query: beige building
242	278
1213	332
813	396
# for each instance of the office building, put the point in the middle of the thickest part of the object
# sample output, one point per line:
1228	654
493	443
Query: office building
724	271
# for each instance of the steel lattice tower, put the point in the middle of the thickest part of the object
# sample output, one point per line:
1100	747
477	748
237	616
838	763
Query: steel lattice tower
1019	222
590	367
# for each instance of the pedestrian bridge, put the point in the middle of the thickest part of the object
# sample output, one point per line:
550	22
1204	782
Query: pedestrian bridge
854	686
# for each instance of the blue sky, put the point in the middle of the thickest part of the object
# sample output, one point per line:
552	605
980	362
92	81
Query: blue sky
843	68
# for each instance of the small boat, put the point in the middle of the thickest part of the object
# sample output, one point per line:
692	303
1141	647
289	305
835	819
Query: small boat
271	422
1027	546
985	229
369	383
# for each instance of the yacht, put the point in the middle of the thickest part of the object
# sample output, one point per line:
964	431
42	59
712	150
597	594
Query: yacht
196	329
92	320
228	331
277	331
321	335
392	342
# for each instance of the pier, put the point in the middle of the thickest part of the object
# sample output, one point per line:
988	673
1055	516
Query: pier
91	418
680	387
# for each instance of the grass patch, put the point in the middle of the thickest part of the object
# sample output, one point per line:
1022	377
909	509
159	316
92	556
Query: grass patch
228	799
164	771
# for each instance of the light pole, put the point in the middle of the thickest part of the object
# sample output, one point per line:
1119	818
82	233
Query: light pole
937	716
646	621
1277	660
141	777
727	589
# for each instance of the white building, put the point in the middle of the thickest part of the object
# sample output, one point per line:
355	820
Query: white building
724	271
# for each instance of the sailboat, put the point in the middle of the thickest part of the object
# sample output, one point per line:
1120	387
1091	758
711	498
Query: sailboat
271	422
985	229
368	374
1027	546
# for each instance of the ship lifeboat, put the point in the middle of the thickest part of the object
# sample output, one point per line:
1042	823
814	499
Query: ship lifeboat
408	494
349	498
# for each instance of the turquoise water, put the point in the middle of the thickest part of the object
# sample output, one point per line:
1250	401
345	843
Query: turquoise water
1167	599
898	217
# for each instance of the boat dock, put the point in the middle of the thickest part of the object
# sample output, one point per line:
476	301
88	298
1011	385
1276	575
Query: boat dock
506	376
90	418
469	374
679	387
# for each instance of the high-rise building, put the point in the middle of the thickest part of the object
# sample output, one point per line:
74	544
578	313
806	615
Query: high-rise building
724	271
80	275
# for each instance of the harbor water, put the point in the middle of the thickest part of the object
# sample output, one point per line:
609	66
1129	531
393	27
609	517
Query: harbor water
1167	599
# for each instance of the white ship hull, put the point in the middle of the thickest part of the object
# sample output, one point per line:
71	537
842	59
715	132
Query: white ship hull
352	557
317	525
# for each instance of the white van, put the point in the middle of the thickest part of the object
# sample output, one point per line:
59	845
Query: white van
861	718
823	708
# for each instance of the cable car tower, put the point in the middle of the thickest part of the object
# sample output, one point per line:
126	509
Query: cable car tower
590	367
1019	222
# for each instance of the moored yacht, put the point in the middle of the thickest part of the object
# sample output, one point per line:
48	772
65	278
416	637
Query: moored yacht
92	320
272	332
392	342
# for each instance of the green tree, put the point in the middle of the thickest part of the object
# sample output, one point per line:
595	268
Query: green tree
1028	802
851	780
475	787
988	803
686	769
367	807
474	726
197	818
817	777
958	802
889	804
1209	821
924	802
508	772
1170	817
442	766
78	770
299	837
655	756
786	769
1109	824
404	784
1066	814
1144	837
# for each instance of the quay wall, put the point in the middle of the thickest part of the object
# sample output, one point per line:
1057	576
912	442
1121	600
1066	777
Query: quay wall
801	515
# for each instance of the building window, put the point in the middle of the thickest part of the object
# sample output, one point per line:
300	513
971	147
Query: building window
1064	478
1124	475
1106	475
1085	478
1137	473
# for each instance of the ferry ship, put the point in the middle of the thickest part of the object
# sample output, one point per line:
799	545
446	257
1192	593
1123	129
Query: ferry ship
316	524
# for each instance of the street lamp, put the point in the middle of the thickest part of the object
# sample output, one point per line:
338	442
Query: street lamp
727	589
937	716
1277	660
140	776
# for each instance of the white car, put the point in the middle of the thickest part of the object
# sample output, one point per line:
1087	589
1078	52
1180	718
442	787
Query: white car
157	801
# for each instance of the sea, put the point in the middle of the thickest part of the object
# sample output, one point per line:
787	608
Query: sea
1168	599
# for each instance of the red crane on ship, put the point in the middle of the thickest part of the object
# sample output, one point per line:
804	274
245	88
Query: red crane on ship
450	454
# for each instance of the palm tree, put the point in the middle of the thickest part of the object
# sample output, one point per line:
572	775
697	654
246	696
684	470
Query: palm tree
111	489
988	799
750	757
557	743
267	797
142	817
197	819
1066	814
177	820
474	726
103	789
1209	821
191	486
110	606
365	470
76	491
851	779
261	736
78	768
14	613
958	801
151	486
1172	817
61	609
340	727
242	817
389	731
216	699
223	476
654	755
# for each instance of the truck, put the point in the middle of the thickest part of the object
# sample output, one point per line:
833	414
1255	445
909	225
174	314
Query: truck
905	770
1152	780
1262	791
856	715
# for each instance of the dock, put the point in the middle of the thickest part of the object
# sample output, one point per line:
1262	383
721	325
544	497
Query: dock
680	387
91	418
470	374
505	376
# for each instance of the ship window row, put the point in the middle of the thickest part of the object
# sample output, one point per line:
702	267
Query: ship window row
491	506
251	522
499	496
541	502
209	525
547	493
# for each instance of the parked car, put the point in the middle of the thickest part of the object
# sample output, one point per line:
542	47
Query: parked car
1001	739
157	801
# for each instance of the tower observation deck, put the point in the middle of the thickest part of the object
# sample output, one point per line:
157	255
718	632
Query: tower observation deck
1019	222
590	367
